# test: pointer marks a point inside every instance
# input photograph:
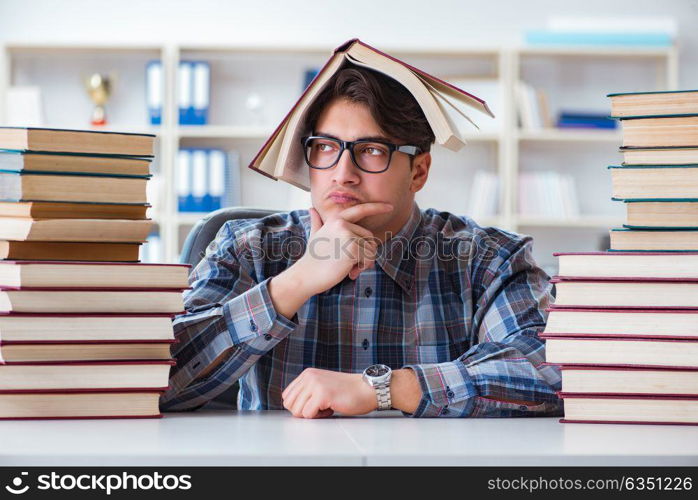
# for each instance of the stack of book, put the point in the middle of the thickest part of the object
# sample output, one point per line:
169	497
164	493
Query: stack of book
84	334
624	326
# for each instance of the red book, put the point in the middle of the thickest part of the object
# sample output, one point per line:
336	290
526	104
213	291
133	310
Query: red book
641	293
616	322
621	409
621	351
80	403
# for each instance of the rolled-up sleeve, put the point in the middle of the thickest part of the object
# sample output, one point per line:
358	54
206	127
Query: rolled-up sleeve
230	319
502	375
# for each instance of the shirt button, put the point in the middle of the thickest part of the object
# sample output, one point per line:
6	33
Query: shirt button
253	325
364	344
444	411
450	394
267	336
523	407
368	291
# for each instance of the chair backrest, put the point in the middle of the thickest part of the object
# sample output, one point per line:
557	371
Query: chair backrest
205	230
193	251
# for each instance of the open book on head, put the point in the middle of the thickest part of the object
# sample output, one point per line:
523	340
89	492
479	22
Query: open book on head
281	156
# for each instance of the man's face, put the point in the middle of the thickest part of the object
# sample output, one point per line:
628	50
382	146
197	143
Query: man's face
351	121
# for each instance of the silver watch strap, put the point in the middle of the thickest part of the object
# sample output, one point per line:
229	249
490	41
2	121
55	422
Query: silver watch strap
383	395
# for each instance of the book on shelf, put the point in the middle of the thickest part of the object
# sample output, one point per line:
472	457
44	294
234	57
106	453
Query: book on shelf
102	403
69	251
586	120
444	105
547	194
108	301
633	380
633	323
532	107
76	230
680	213
655	131
57	376
672	102
660	155
595	292
33	161
678	240
636	265
72	210
620	409
679	353
484	195
25	186
32	139
41	274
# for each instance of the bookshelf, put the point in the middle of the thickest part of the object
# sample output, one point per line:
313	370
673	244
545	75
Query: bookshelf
571	76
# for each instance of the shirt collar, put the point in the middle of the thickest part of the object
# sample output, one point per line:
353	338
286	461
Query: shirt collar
394	255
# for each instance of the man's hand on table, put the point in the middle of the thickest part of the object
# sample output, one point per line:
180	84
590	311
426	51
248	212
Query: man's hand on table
317	393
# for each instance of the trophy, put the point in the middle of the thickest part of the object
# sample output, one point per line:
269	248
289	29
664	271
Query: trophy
99	88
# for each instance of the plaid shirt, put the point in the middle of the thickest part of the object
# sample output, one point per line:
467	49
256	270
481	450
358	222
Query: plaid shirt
460	304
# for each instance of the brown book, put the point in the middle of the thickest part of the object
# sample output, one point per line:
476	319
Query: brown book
653	131
76	141
85	328
62	162
107	301
620	409
636	239
103	403
59	376
629	380
654	181
65	251
614	323
84	351
31	274
675	214
104	230
654	103
660	156
19	186
68	210
677	293
621	351
628	264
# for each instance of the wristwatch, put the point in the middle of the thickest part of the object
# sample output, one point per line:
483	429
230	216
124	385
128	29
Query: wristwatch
378	377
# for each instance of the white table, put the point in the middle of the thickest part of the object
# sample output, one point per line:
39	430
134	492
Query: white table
386	438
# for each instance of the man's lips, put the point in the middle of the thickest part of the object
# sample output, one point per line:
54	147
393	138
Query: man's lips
342	198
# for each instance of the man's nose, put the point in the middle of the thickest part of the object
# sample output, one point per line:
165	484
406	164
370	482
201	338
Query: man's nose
345	170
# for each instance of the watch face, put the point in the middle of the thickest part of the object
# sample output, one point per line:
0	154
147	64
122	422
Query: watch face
377	370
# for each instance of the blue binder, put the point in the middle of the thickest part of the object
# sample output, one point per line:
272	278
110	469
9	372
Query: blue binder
194	91
153	91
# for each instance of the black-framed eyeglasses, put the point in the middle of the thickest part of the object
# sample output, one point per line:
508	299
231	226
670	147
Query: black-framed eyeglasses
369	155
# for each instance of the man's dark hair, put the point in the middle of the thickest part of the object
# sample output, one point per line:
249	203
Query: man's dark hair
392	106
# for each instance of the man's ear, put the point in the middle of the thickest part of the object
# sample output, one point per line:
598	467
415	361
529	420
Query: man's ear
420	171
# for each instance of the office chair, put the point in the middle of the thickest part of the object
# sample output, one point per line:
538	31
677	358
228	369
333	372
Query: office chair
194	249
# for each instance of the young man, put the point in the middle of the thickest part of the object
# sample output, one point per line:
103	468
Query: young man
385	305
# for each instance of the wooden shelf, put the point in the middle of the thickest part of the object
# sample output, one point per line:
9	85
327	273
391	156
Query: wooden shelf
588	221
571	135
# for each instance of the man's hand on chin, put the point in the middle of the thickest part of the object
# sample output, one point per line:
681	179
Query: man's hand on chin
317	393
